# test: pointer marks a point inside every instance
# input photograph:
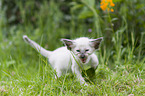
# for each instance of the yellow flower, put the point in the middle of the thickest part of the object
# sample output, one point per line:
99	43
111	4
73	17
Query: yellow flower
104	6
112	4
112	10
107	4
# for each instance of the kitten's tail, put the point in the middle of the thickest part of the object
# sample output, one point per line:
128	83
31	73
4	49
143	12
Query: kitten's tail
36	46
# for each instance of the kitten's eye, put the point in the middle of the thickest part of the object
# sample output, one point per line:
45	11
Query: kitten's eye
78	50
87	50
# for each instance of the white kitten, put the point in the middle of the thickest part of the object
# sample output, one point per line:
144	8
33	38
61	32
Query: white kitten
73	57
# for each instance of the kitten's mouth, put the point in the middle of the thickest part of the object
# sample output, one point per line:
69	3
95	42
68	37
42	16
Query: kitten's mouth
83	60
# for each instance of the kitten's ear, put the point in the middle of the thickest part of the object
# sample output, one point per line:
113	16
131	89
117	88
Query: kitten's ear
96	42
68	43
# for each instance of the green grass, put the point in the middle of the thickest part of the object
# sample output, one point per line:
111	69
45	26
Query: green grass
121	69
25	72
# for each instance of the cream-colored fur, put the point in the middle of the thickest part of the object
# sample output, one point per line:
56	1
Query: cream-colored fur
72	57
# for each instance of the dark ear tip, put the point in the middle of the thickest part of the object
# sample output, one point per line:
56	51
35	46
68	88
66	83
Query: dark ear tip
101	38
65	40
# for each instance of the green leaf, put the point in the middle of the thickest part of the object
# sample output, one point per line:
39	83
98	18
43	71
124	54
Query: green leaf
90	2
9	63
85	14
77	6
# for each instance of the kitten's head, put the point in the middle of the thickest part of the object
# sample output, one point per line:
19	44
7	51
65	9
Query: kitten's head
82	47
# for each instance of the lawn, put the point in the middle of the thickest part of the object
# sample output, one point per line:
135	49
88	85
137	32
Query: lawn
24	72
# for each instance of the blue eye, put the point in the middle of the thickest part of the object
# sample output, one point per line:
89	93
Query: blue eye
78	50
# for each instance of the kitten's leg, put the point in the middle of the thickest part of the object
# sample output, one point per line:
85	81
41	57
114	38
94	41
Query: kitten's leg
58	75
76	70
58	72
95	61
91	71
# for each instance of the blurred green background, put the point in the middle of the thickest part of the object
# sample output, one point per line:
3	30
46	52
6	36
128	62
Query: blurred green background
122	51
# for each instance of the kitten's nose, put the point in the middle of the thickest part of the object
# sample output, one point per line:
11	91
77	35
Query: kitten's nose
82	56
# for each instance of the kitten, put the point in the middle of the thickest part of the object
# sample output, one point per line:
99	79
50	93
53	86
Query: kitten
72	57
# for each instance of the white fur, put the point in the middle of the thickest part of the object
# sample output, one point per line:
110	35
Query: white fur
64	60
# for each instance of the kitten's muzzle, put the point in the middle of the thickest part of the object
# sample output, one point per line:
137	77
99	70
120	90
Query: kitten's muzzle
83	58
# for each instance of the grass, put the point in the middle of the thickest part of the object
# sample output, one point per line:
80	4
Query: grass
25	72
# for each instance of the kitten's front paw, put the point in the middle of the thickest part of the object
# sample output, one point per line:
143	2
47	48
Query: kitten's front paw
85	84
